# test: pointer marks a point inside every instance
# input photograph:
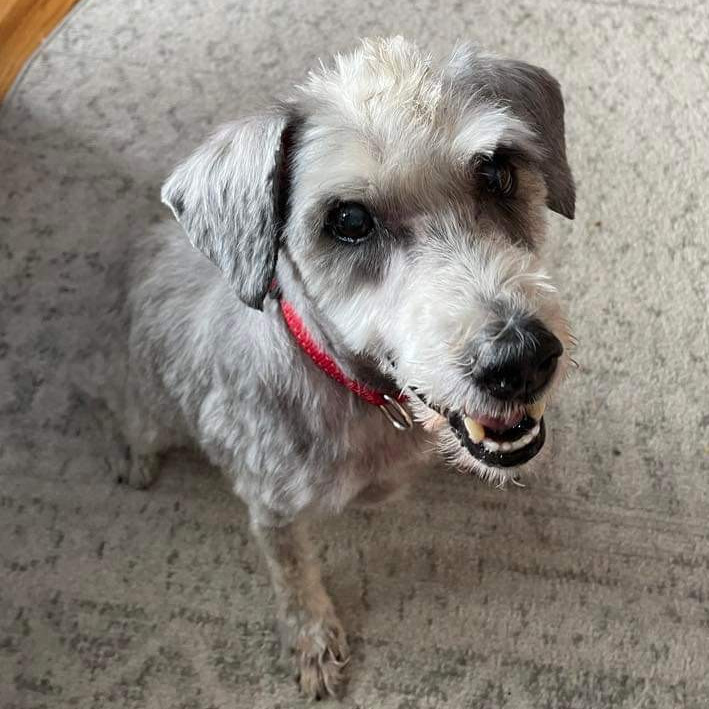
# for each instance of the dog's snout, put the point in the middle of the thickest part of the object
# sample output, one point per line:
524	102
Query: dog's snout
520	362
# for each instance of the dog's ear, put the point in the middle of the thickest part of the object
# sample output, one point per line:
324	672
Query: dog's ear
230	196
534	96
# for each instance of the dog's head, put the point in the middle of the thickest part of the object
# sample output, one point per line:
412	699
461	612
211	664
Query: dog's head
406	202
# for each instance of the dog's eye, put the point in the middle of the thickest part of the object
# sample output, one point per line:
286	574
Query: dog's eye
498	174
350	222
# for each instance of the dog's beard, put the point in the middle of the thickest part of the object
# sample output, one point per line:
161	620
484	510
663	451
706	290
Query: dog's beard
495	449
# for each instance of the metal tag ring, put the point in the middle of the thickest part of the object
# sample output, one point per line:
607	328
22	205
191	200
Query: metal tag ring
396	414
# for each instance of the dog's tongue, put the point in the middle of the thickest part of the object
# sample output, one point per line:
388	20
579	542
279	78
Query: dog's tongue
495	423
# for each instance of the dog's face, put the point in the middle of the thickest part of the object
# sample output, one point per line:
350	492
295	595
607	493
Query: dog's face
410	201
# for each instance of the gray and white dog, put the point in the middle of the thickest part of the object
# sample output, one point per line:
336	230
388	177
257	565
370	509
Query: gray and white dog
397	205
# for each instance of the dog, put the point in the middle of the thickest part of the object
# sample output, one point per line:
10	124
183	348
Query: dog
372	282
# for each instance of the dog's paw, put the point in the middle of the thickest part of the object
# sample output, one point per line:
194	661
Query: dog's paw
322	657
140	471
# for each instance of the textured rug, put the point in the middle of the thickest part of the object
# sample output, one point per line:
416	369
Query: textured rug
588	590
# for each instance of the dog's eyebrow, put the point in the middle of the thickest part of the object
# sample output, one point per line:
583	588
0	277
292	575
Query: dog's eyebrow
483	131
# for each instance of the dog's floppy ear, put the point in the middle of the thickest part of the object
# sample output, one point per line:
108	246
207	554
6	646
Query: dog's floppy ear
230	196
534	96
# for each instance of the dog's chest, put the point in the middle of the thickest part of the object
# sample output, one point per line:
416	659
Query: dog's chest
373	461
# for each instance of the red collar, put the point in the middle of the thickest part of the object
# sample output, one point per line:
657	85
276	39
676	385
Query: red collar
391	406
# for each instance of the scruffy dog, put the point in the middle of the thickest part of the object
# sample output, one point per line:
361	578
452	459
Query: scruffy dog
371	255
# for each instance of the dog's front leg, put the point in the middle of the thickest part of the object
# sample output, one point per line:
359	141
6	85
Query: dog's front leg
309	627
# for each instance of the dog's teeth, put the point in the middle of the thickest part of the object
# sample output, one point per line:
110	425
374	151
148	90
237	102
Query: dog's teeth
536	410
474	429
477	434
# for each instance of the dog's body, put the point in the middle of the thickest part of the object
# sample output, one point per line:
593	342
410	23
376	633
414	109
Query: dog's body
253	404
399	208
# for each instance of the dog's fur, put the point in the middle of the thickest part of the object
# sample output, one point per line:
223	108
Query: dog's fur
211	359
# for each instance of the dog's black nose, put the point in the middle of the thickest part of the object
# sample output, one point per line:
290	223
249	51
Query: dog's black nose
520	363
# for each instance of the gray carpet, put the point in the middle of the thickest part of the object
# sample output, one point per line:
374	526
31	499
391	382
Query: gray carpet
588	590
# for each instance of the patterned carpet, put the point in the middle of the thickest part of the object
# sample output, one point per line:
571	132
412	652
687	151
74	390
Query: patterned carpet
589	590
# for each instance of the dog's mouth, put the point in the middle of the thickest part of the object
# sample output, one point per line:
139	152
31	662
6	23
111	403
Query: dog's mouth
501	442
497	441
